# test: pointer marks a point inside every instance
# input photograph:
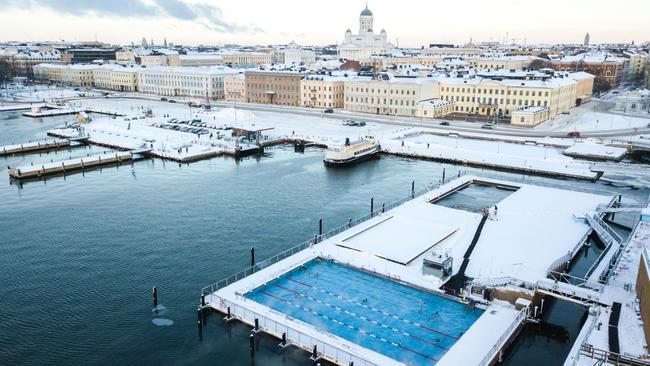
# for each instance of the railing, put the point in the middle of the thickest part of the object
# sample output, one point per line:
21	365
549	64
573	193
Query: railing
611	357
578	281
295	337
607	228
523	313
590	324
317	239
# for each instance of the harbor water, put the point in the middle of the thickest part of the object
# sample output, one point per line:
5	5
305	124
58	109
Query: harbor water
79	254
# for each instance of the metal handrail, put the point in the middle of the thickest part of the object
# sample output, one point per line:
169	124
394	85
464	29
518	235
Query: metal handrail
317	239
523	313
293	336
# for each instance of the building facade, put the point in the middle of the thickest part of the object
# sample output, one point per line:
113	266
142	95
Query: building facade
388	96
198	82
604	66
273	87
322	91
235	88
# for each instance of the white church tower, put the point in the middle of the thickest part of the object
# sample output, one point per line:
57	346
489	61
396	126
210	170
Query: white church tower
365	20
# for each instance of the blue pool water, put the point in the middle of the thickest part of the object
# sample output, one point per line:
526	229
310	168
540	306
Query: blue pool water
398	321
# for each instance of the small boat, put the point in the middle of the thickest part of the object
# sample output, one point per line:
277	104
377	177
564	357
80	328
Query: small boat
352	152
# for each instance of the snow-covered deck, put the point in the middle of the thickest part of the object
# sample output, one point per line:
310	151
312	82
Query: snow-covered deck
535	226
595	151
524	217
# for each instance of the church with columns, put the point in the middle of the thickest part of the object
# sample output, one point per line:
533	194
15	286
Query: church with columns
366	42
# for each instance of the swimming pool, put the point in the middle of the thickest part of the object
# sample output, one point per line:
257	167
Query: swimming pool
475	197
398	321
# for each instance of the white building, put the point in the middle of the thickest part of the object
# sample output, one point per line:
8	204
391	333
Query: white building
293	54
199	82
365	43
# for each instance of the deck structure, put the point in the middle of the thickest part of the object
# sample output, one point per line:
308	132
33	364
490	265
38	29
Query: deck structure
453	233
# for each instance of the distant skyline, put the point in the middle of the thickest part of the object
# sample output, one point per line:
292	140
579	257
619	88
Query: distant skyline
413	23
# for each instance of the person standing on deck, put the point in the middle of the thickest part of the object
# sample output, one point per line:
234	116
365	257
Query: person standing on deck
495	212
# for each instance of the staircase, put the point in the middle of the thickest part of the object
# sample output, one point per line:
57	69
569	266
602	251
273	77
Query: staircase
604	265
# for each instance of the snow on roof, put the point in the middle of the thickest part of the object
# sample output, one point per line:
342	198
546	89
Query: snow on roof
591	57
200	56
192	70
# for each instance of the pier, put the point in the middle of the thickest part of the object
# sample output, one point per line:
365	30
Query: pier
39	146
70	165
51	111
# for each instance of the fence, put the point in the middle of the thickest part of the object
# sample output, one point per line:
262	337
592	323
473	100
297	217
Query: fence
317	239
295	337
590	324
610	358
523	313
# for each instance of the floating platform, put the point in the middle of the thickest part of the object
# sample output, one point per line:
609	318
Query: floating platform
51	112
595	152
38	146
65	166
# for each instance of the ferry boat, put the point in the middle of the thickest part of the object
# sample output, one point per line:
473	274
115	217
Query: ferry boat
352	152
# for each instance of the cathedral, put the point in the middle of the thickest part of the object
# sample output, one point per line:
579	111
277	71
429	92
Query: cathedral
366	42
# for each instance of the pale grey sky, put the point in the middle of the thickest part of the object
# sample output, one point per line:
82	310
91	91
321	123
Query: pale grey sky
415	23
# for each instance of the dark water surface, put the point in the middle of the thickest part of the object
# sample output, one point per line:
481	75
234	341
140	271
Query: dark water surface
79	254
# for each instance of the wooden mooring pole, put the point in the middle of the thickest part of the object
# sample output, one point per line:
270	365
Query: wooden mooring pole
154	294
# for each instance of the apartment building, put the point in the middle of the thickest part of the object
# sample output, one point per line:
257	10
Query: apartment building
273	87
322	91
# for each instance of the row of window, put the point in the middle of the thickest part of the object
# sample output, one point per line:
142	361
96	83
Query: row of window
495	91
379	101
385	91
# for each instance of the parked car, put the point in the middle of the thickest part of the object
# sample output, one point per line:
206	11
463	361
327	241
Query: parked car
361	124
163	99
444	123
574	134
328	111
488	126
172	101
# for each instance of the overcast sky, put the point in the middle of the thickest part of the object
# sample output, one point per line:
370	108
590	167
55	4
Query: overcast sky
414	23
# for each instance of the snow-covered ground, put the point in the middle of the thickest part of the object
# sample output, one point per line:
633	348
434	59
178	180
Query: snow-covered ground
531	155
513	157
594	116
43	93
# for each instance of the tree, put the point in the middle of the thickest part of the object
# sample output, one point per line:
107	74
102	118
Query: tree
601	85
537	64
6	72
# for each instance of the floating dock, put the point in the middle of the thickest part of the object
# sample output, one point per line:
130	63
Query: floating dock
38	146
65	166
282	297
57	111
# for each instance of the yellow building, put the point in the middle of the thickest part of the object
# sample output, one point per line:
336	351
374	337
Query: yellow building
446	51
435	108
234	88
500	62
394	96
322	91
247	58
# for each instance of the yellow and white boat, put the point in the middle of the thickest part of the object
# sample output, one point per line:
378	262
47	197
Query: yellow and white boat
352	152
